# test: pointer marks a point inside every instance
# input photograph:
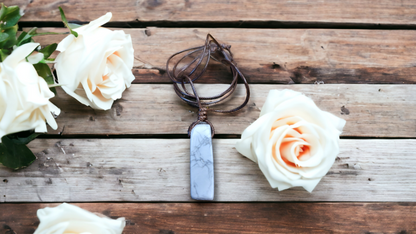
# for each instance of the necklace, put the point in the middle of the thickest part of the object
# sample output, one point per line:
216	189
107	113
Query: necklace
190	66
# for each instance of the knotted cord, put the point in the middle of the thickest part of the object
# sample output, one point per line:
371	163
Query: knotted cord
187	74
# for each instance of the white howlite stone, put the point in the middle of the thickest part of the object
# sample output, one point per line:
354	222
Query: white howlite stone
202	163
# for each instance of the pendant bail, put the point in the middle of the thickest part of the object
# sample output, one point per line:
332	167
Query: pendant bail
202	118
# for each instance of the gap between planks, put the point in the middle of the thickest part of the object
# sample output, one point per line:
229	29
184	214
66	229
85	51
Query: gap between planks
143	170
151	109
280	56
228	24
235	218
336	11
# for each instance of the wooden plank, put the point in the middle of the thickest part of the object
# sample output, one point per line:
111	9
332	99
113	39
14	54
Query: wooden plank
87	170
373	110
235	217
336	11
282	56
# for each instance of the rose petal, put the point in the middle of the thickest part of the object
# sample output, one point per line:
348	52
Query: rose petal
24	96
276	97
19	54
67	218
294	142
94	24
35	57
103	68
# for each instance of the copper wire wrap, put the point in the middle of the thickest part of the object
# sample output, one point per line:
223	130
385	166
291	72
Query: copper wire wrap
188	73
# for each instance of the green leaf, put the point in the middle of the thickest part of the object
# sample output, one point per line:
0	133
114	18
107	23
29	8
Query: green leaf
48	50
3	54
26	37
14	153
3	37
32	31
66	22
11	35
9	16
74	26
45	72
23	137
48	33
23	36
3	11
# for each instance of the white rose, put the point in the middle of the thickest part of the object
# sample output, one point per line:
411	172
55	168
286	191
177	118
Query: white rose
294	142
24	95
67	218
95	67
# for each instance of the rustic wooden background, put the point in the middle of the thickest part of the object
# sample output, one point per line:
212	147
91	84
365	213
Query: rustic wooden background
355	59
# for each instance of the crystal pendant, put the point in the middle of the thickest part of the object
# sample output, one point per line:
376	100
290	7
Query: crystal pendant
202	163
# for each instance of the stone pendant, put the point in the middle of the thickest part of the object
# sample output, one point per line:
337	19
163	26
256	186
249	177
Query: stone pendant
202	163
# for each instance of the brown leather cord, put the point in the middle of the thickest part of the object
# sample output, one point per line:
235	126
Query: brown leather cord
189	73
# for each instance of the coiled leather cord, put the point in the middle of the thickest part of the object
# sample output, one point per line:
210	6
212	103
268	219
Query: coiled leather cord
188	73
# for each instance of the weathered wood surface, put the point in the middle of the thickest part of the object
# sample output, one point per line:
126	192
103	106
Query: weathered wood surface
78	170
370	110
235	217
336	11
283	56
157	170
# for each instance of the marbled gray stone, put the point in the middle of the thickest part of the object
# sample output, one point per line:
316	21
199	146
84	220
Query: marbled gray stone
202	163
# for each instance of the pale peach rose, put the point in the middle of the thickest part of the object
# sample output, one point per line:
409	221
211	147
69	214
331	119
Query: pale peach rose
294	142
66	219
95	67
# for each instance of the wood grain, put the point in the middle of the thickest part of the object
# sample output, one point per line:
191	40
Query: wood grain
81	166
87	170
173	218
370	110
281	56
336	11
